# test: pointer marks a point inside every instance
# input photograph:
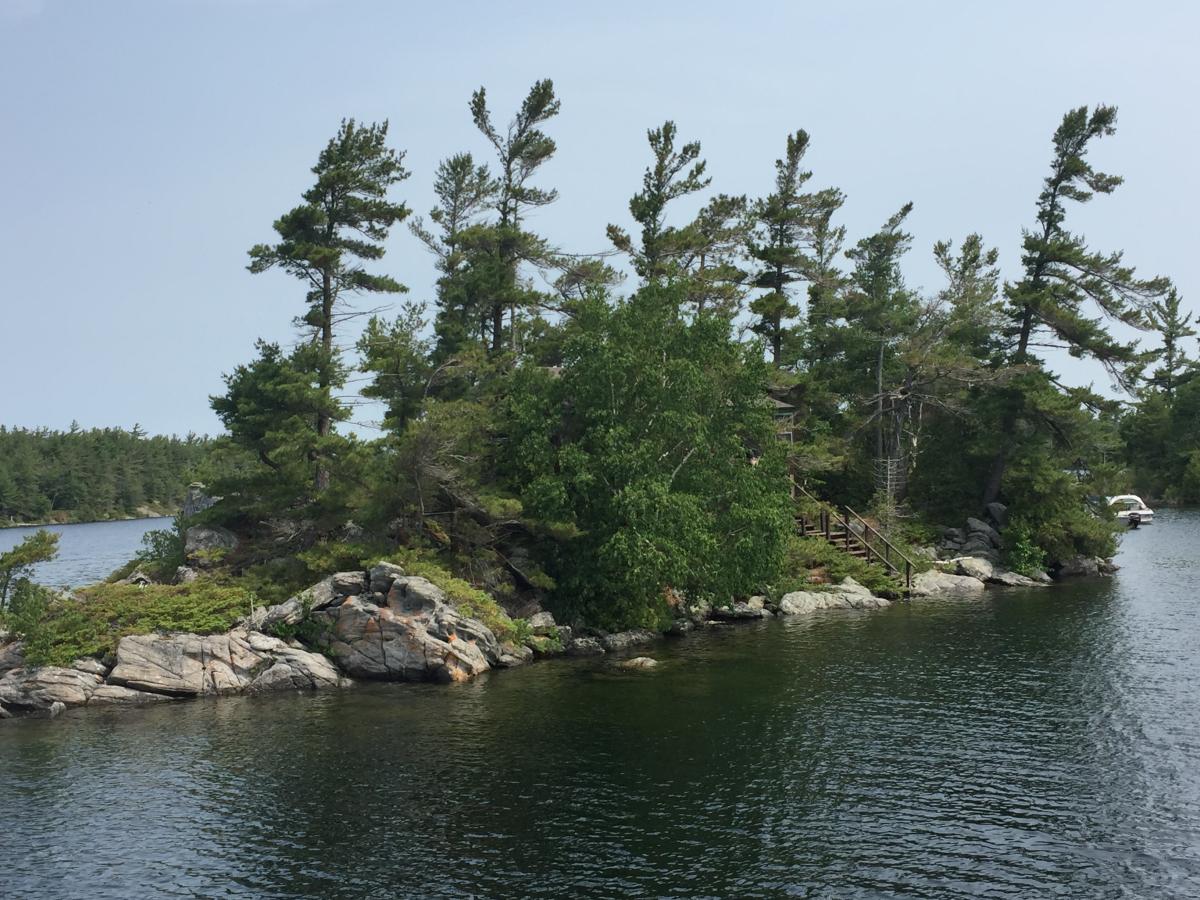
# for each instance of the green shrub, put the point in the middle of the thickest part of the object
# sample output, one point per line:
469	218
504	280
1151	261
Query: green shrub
161	553
1023	554
59	629
806	555
17	563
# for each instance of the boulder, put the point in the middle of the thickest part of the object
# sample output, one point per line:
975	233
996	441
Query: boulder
757	602
639	662
347	584
953	535
200	540
190	665
90	666
12	656
137	577
382	575
980	527
623	640
542	623
1078	566
42	687
415	636
289	612
974	566
979	549
513	655
585	646
998	513
320	595
943	584
296	669
853	588
848	595
185	575
184	665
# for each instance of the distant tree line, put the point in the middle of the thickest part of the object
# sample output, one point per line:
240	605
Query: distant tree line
84	475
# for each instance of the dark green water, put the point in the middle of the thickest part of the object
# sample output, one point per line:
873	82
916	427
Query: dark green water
1031	744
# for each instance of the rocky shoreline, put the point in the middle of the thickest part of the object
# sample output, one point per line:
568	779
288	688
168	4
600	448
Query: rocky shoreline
384	624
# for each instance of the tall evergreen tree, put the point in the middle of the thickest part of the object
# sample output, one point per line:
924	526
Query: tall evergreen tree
673	174
1063	279
345	217
880	309
1174	327
521	149
782	219
464	190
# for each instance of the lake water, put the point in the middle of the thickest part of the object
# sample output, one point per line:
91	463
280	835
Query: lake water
89	552
1030	744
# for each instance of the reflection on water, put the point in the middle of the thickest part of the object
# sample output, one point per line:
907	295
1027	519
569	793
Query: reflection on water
88	552
1029	744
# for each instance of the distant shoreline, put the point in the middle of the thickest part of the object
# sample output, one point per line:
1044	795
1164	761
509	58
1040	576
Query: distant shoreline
43	524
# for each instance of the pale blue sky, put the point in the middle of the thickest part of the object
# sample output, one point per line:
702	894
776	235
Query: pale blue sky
147	145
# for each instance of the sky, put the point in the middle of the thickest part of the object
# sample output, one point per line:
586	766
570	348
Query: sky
148	144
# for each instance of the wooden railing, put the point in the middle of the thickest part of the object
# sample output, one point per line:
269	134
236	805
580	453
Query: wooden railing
857	529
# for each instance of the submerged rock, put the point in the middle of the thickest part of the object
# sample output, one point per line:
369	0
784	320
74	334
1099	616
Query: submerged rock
639	662
1013	579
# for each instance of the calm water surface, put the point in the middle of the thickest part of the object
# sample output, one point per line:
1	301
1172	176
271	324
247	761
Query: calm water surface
89	552
1030	744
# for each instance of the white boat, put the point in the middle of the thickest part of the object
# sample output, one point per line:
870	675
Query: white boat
1131	504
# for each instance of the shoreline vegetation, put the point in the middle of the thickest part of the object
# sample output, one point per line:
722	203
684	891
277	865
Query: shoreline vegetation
577	458
138	516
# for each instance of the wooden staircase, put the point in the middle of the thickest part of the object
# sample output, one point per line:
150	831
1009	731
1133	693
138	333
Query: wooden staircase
850	533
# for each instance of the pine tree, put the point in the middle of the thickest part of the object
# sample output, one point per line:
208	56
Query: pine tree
674	174
345	217
1174	327
464	190
521	150
1063	278
782	219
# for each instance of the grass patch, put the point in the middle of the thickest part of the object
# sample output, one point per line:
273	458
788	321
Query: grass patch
59	630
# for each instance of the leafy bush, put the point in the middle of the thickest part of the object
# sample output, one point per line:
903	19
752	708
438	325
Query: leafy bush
1023	554
59	629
